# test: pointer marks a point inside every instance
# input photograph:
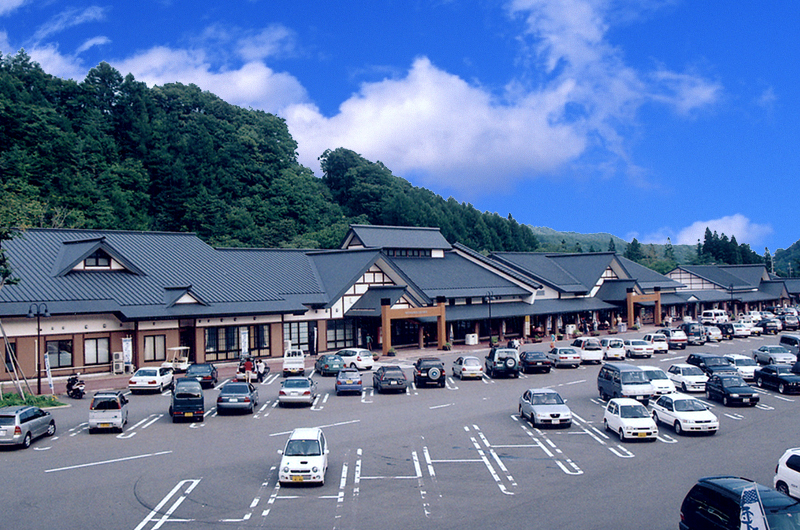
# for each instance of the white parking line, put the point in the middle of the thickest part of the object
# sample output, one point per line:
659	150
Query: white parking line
166	517
115	460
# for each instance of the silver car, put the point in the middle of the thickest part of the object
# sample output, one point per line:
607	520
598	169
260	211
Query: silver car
773	355
237	396
302	390
19	425
544	406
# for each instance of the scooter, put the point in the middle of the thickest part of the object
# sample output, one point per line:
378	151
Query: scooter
75	387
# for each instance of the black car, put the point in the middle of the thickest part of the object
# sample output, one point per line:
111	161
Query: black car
789	321
502	361
731	389
695	333
780	377
205	373
534	361
187	400
237	396
770	325
716	503
389	378
429	370
726	328
712	364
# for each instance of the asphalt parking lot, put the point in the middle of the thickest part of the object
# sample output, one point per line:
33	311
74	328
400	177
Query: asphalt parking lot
456	457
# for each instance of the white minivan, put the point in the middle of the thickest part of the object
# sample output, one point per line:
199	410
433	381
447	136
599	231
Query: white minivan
713	316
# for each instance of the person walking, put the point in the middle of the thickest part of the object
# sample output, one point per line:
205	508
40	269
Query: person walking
248	369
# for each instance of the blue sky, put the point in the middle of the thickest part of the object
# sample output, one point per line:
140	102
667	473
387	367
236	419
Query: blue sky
646	118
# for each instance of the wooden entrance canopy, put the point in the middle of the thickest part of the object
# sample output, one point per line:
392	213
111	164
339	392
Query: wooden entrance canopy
634	298
388	314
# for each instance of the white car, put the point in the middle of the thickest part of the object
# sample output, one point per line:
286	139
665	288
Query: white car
638	348
773	354
360	358
155	379
590	349
658	341
467	366
787	473
740	330
613	348
745	365
304	458
685	414
713	333
687	377
752	325
659	379
629	419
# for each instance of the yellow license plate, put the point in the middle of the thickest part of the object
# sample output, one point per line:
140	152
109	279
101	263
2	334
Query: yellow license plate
189	414
297	478
641	434
349	382
105	425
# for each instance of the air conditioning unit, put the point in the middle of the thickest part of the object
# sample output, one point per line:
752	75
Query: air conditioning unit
119	366
118	356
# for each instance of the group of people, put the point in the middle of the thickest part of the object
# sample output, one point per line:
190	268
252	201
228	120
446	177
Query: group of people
257	368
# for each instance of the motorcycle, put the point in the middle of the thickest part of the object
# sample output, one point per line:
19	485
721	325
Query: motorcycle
75	387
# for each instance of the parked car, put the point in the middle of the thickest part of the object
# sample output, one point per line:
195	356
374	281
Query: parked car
502	361
711	363
259	369
348	380
713	333
789	321
237	396
564	357
613	348
773	354
685	414
695	333
787	473
187	400
661	382
467	366
629	419
360	358
676	338
713	316
740	331
731	390
590	349
779	377
429	370
21	424
751	324
390	377
770	325
108	410
715	503
544	406
624	380
534	361
304	459
151	379
687	377
637	348
329	364
791	343
726	328
745	365
658	341
297	391
205	373
294	362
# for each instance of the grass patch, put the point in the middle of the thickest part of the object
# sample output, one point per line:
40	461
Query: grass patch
13	399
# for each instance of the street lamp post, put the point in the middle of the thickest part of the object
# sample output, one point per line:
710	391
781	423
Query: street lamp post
489	296
38	311
732	312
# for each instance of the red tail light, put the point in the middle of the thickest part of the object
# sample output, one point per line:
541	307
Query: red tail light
219	399
307	393
247	399
282	393
17	431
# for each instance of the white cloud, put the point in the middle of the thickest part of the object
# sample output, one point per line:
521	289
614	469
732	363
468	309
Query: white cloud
736	225
94	41
8	6
67	19
54	62
273	41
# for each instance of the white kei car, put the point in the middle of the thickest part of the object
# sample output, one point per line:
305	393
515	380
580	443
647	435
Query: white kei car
360	358
746	366
613	348
658	341
685	414
305	457
630	419
688	377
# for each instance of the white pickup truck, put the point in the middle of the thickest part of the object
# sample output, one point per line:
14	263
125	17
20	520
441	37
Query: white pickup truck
294	362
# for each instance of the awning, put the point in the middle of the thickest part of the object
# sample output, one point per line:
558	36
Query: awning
369	305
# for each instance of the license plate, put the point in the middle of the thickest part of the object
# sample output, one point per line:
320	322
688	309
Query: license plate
2	433
537	364
188	414
746	400
394	382
234	400
349	382
105	425
641	434
297	478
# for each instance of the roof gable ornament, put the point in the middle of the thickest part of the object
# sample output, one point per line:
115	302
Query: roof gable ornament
83	255
180	295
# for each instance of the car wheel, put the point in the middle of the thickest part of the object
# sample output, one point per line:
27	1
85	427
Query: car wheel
781	388
771	361
51	429
521	414
621	435
441	383
683	387
782	488
678	428
605	424
547	371
353	365
725	401
760	383
655	417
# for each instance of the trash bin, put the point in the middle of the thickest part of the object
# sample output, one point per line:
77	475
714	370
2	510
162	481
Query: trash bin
471	339
570	329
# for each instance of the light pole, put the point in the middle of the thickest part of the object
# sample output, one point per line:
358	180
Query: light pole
38	311
489	296
732	313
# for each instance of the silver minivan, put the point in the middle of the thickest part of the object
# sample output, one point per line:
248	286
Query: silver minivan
791	343
624	380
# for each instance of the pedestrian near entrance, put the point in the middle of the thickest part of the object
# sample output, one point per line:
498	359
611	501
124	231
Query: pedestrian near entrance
261	367
369	342
248	369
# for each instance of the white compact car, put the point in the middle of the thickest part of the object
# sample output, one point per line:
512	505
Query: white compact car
787	473
685	414
154	379
630	419
745	365
590	349
638	348
305	457
613	348
360	358
467	366
658	341
688	377
659	379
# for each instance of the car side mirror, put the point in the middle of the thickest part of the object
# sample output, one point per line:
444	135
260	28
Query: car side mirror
327	451
280	451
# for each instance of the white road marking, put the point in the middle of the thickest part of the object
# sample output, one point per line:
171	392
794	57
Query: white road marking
123	459
164	518
320	426
441	406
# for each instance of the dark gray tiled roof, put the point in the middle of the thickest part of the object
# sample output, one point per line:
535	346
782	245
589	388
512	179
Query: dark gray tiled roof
615	290
792	285
370	302
398	237
719	276
646	278
544	269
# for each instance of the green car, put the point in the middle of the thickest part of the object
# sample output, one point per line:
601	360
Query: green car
329	364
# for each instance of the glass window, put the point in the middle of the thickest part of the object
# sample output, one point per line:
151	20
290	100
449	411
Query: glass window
259	343
340	334
60	353
10	349
297	333
155	348
222	343
98	259
95	351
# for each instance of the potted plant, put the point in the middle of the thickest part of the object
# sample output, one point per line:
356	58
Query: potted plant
392	352
447	346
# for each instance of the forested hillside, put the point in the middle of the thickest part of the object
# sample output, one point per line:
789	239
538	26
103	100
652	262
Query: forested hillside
111	153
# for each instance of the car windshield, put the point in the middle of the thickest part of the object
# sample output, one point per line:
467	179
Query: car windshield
634	378
638	343
775	349
429	363
744	361
653	375
302	448
393	371
659	338
502	354
6	420
689	405
145	373
547	398
235	388
616	344
188	390
732	382
197	369
633	411
534	355
717	361
567	351
295	383
780	369
348	374
692	370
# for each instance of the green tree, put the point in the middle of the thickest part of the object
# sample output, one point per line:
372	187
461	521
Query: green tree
634	251
611	246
